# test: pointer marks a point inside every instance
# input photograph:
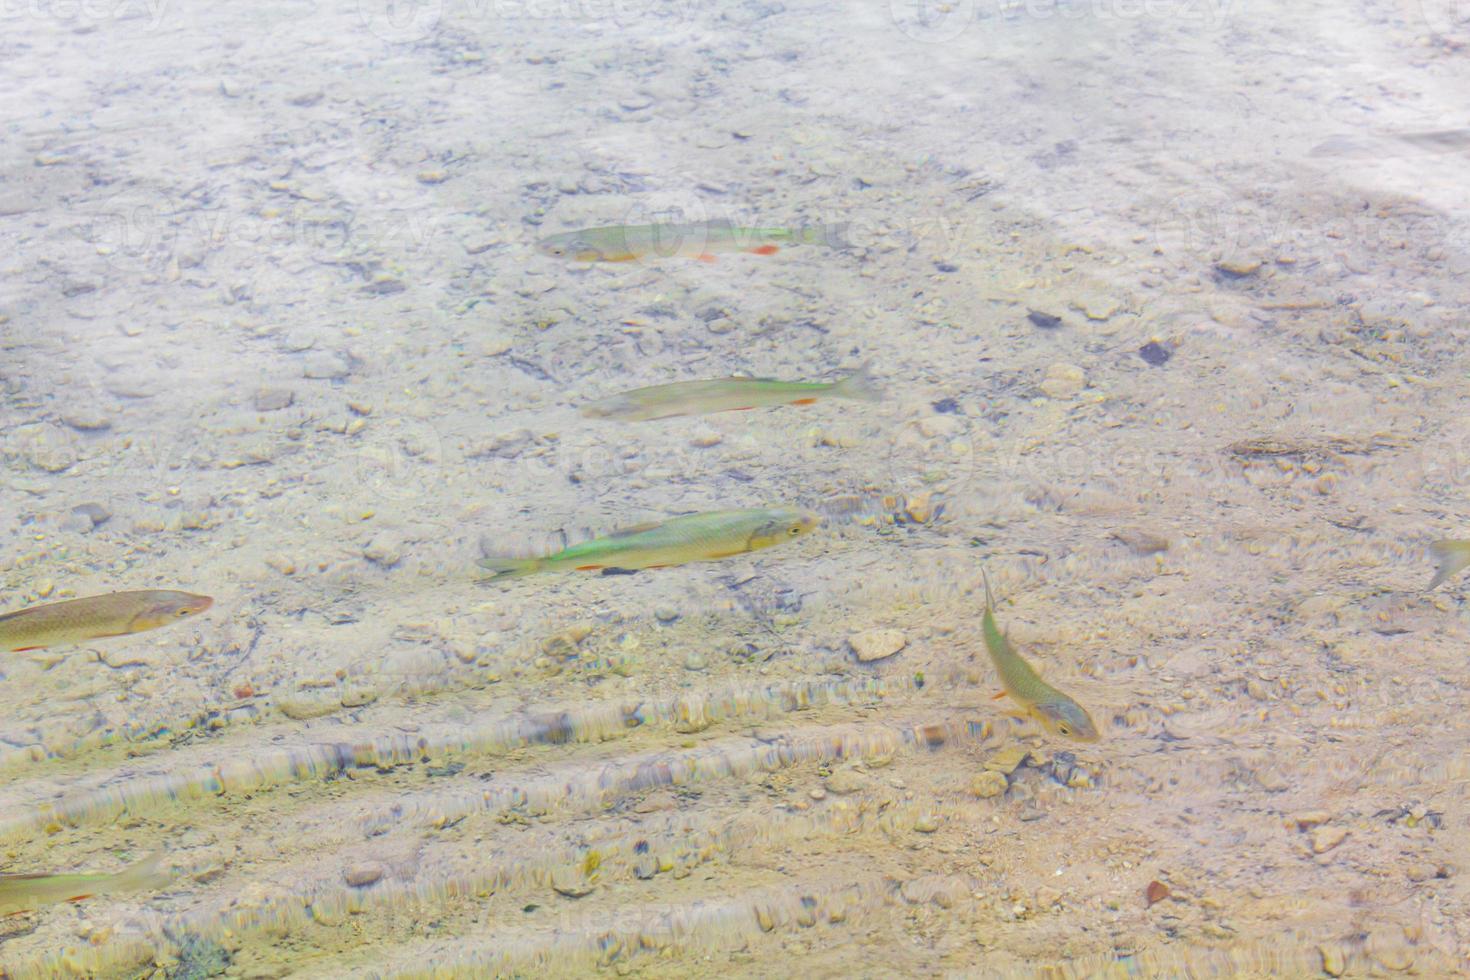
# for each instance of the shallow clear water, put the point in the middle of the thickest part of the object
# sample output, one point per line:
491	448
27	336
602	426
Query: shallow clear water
1167	300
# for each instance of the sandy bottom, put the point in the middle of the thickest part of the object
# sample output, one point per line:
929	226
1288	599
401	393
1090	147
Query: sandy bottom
1168	303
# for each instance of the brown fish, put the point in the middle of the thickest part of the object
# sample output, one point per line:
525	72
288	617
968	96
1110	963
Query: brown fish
95	617
24	892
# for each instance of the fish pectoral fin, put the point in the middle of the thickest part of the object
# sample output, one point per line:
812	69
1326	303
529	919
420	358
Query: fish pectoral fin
705	257
25	649
765	250
998	695
588	568
805	401
80	898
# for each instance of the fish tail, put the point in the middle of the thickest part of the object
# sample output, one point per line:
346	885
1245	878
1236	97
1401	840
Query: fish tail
1452	556
832	236
149	874
511	567
860	385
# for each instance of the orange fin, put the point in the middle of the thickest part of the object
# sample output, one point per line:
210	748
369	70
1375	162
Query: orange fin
588	568
805	401
24	649
765	250
706	257
997	697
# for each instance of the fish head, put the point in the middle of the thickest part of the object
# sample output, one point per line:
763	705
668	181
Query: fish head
572	247
1066	718
783	524
617	406
169	607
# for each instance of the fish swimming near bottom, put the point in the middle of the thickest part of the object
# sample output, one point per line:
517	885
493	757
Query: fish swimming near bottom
726	395
1044	704
24	892
694	537
1452	555
95	617
698	240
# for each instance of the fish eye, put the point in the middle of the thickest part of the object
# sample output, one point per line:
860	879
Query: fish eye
1064	730
795	529
183	612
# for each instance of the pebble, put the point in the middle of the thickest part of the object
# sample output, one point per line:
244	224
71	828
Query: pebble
84	517
1045	321
988	784
1141	542
705	439
1007	759
1325	839
927	823
87	420
385	549
845	781
432	176
1156	892
302	706
1239	268
570	883
282	564
1333	962
1308	819
694	660
920	507
273	399
1155	354
323	365
665	614
135	656
362	875
1096	307
1063	381
877	644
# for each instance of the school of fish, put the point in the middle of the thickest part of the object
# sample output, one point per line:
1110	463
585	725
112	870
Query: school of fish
677	541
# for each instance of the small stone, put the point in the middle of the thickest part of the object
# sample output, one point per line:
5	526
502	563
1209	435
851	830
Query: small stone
1155	354
432	176
1045	321
720	325
846	780
134	656
302	706
92	514
988	784
572	884
1063	381
1156	892
706	438
645	867
877	644
665	614
362	875
694	660
1007	759
385	549
322	365
1333	962
273	399
920	507
1096	307
355	695
1308	819
1239	268
1325	839
282	564
1140	541
927	823
87	420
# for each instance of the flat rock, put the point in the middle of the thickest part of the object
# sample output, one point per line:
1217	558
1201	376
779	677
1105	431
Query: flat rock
873	645
846	780
362	875
1063	381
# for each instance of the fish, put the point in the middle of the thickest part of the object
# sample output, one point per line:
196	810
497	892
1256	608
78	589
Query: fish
727	395
1038	700
699	240
1452	555
95	617
693	537
24	892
